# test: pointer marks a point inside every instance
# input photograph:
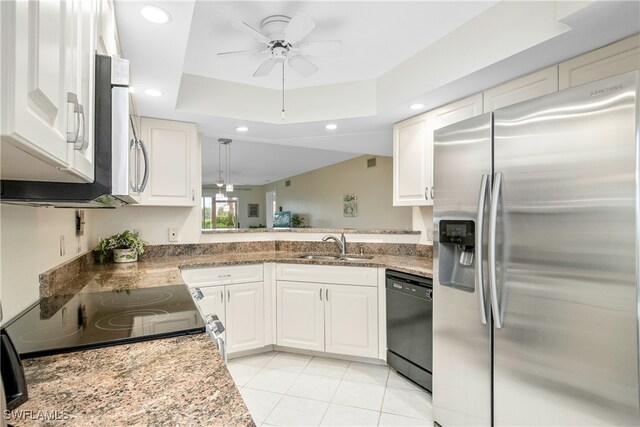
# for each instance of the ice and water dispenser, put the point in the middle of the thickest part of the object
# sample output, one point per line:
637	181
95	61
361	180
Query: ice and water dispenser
456	254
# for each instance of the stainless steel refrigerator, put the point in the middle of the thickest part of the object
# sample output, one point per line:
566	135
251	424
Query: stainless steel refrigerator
536	270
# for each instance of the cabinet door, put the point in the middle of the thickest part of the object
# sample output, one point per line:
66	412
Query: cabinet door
616	58
80	75
245	316
34	53
411	163
351	320
212	302
172	149
300	315
531	86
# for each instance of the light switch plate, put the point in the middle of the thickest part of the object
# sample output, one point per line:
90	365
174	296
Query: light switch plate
63	250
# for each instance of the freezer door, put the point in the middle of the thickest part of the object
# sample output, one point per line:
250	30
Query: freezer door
567	258
461	342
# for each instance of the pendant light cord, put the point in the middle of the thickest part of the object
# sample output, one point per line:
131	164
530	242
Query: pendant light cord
282	90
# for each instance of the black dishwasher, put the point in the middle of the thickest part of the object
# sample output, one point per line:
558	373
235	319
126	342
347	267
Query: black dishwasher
410	326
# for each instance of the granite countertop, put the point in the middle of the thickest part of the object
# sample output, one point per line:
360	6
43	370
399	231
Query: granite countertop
161	271
312	230
172	381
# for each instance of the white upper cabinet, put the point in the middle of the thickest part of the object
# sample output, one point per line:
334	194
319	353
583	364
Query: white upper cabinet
172	149
47	69
453	113
411	163
531	86
608	61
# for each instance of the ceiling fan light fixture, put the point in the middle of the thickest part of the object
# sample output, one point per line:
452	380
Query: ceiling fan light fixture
155	14
417	106
331	126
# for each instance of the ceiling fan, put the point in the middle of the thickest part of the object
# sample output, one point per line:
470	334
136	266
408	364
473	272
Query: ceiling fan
284	40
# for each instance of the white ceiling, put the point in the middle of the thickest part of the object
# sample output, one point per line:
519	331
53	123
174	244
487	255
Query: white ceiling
255	163
376	36
508	40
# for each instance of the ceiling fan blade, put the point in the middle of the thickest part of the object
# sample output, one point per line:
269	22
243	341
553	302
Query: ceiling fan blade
238	53
322	48
303	66
265	68
250	31
298	28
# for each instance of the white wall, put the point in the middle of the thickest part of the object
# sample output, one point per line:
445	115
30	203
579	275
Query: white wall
422	219
30	245
317	195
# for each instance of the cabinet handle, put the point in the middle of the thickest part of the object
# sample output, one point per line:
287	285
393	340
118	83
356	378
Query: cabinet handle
224	275
193	195
221	296
228	296
133	145
320	294
431	193
326	295
145	157
72	137
426	193
81	142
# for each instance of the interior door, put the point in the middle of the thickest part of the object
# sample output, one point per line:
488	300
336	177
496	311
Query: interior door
300	315
567	258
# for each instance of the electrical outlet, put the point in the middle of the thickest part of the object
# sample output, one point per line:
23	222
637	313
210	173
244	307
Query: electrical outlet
63	250
173	234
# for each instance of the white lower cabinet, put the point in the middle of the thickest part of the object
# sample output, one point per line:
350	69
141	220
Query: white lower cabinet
351	320
300	315
340	319
240	308
244	316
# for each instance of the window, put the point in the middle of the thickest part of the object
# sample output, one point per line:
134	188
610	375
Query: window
219	213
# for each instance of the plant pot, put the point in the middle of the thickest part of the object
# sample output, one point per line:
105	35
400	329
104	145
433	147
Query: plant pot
124	255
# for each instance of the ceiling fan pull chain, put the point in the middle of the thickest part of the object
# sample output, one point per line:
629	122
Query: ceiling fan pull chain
282	90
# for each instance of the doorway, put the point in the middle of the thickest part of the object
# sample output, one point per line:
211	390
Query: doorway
270	207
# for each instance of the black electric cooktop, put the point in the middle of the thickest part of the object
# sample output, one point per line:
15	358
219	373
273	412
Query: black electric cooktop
100	319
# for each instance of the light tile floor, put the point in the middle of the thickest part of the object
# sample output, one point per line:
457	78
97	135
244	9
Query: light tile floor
286	389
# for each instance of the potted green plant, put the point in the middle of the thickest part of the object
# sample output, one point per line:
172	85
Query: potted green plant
125	247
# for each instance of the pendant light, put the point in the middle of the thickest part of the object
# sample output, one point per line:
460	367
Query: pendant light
229	183
220	180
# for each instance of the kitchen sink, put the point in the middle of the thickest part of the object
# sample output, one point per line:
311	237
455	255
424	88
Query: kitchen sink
351	258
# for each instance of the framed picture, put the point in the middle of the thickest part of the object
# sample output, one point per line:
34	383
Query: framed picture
350	205
253	210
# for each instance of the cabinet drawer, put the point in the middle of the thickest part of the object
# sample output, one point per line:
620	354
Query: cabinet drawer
223	275
364	276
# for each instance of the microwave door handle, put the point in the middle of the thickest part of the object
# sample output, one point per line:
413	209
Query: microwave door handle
493	220
145	156
482	199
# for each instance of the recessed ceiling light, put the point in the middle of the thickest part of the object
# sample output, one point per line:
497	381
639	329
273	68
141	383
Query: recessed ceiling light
153	92
416	106
242	128
155	14
331	126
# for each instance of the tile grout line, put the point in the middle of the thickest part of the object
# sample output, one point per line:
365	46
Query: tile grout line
334	394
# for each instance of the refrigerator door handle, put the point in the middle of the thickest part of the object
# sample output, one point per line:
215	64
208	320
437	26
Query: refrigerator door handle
482	198
493	220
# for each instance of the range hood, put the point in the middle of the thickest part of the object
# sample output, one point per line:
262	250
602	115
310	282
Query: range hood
111	187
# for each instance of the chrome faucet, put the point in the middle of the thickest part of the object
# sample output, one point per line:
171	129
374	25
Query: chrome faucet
342	243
